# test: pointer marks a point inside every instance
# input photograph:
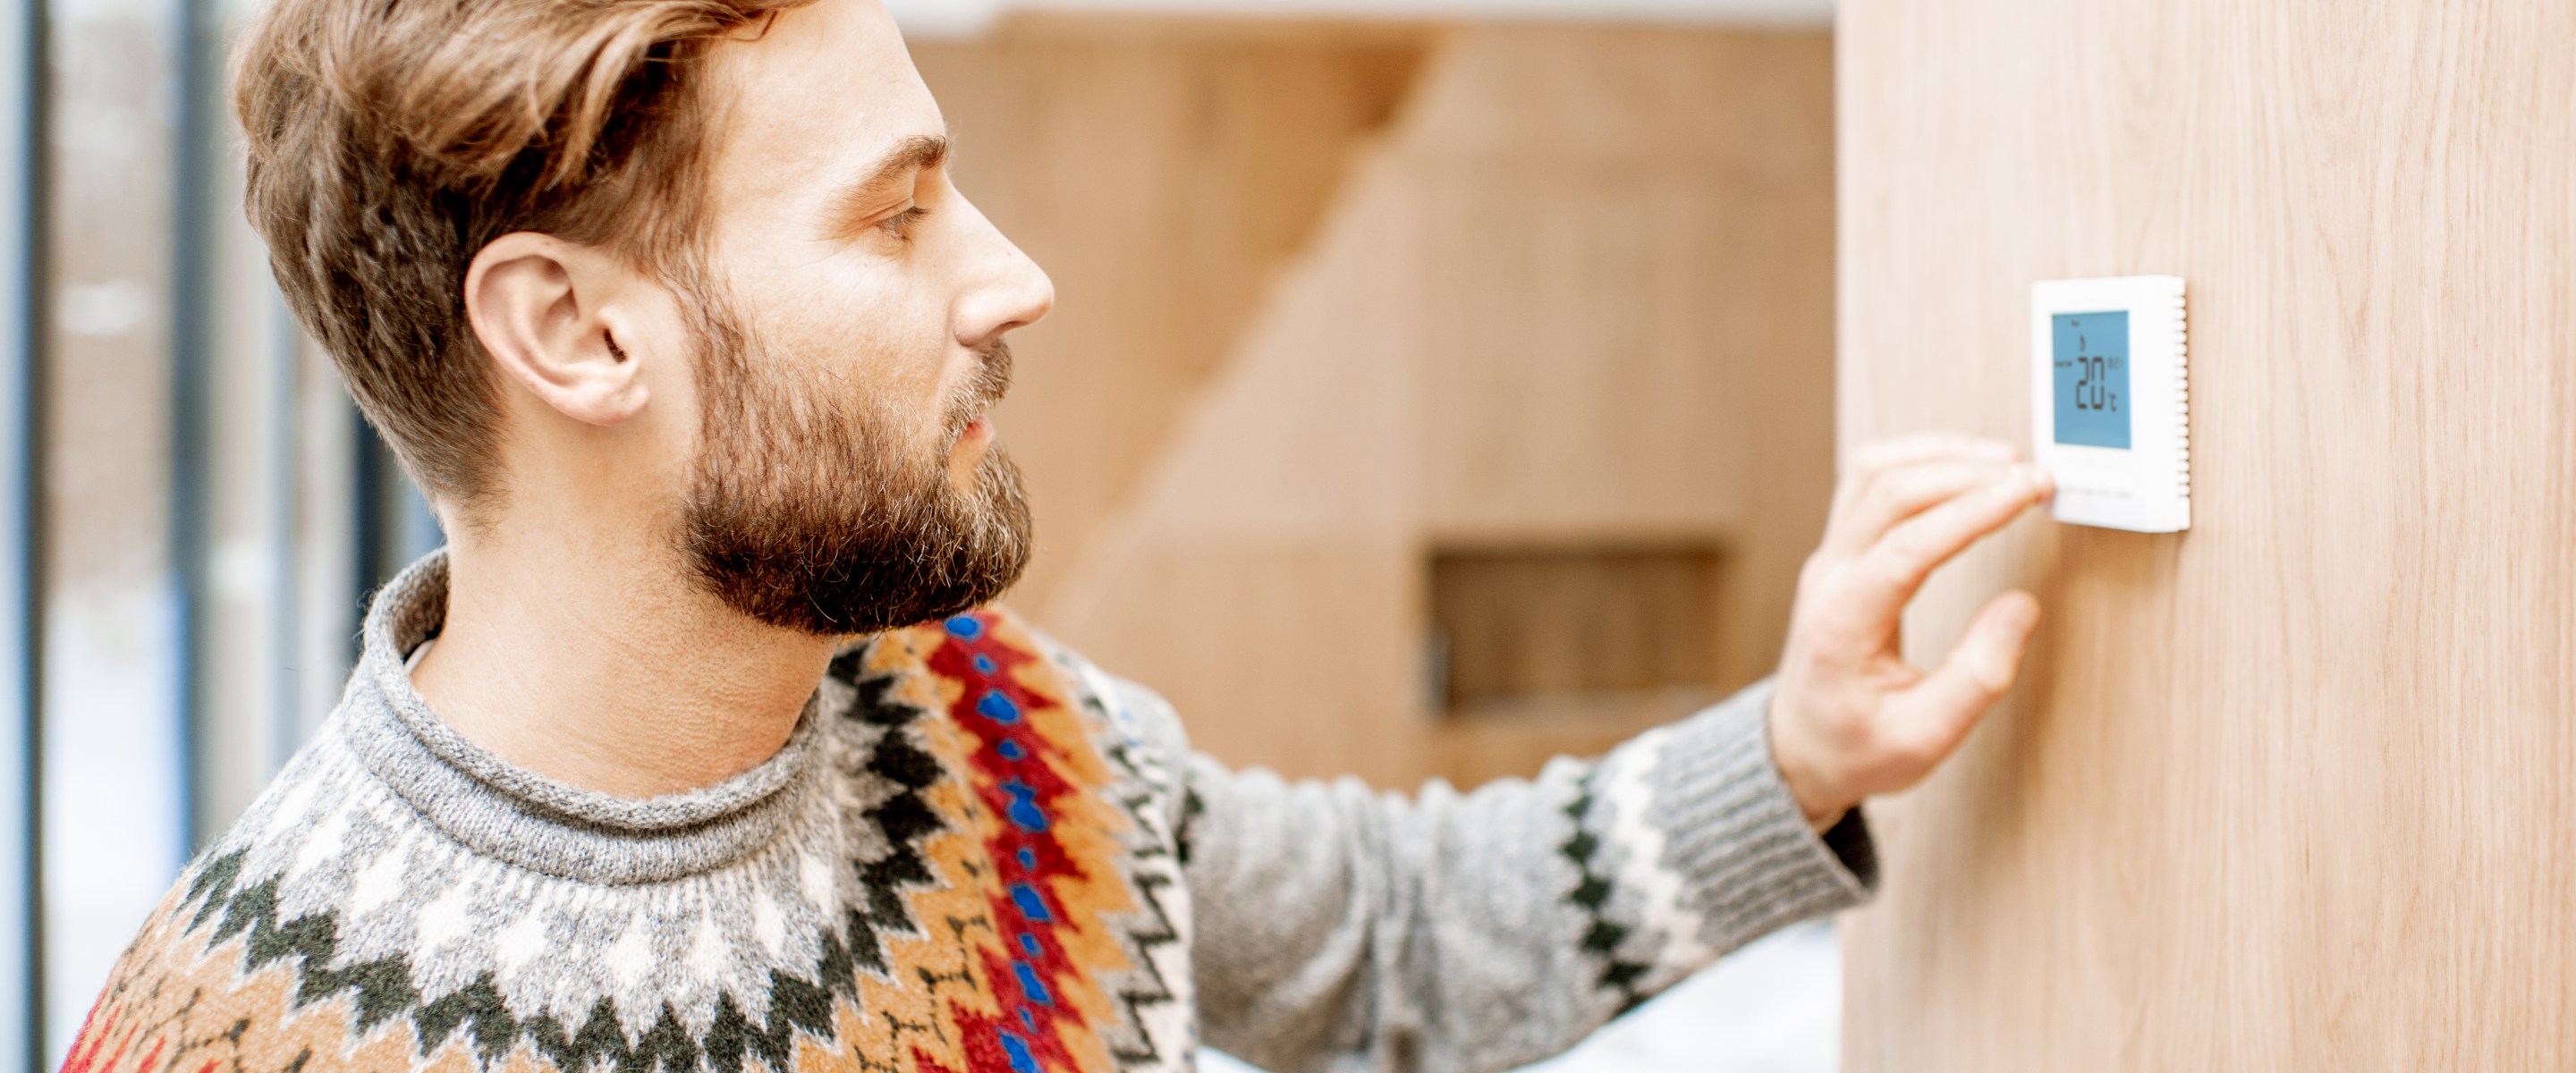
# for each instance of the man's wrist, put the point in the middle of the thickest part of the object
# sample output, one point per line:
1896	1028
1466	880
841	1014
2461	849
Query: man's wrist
1822	808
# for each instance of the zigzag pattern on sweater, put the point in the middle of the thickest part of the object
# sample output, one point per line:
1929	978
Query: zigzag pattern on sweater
868	999
382	988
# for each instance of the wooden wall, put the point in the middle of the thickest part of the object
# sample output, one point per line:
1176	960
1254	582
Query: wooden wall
1335	297
1163	171
2290	791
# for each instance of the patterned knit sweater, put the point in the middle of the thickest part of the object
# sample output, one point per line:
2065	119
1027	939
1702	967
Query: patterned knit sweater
975	854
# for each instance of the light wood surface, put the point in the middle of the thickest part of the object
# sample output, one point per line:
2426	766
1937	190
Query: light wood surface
1162	171
1578	292
2290	791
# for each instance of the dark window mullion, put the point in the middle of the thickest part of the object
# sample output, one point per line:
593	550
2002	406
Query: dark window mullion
197	57
22	50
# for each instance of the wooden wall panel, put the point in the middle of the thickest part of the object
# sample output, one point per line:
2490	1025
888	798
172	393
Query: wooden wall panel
1263	578
1163	171
2290	791
1578	293
1632	335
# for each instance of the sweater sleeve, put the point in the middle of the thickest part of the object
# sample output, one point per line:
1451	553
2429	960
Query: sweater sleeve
1343	929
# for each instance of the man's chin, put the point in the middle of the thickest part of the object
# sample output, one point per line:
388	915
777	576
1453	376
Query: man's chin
838	558
871	601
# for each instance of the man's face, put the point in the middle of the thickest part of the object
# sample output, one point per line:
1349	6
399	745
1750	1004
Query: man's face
848	310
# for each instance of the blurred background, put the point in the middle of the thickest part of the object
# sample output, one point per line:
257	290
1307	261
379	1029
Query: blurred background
1436	386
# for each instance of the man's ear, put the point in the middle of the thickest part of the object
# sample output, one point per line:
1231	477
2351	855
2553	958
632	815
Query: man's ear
543	309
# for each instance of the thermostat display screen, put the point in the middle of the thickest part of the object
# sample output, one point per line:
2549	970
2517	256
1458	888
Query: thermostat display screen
2091	367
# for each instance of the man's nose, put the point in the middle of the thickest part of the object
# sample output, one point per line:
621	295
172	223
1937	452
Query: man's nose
1012	292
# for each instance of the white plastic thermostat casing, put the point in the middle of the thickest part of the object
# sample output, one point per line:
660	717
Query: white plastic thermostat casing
2111	400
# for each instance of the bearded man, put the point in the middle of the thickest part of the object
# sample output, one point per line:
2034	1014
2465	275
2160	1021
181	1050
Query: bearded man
699	748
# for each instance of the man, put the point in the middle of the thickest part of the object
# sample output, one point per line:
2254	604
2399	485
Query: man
672	308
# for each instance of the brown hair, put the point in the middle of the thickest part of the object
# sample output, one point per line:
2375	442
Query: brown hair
390	140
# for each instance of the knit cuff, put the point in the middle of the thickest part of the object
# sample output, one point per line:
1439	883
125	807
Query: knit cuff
1739	840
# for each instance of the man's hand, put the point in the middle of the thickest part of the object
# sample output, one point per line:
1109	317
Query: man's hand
1849	717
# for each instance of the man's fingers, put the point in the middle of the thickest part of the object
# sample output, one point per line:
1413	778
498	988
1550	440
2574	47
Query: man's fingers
1903	492
1931	717
1885	453
1896	567
1870	461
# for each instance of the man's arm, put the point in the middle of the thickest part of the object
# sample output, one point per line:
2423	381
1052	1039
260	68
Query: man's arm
1340	928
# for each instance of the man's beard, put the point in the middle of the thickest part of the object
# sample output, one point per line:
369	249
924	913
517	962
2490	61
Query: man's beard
809	510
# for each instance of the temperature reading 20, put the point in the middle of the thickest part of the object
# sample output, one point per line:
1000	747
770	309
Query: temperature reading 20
2090	361
2093	389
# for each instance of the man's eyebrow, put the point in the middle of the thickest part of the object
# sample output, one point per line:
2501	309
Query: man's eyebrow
917	153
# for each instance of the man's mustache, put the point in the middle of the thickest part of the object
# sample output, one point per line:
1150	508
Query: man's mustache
984	387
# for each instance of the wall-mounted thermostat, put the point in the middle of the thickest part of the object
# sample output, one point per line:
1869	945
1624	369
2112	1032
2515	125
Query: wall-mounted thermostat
2111	401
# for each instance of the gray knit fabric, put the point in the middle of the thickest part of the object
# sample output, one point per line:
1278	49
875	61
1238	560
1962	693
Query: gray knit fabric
1344	929
820	911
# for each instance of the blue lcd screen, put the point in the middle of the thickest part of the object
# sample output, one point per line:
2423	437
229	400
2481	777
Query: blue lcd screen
2091	365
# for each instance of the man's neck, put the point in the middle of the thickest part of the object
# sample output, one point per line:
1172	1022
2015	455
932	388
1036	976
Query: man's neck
611	671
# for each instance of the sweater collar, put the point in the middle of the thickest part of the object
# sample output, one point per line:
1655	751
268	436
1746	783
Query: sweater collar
500	810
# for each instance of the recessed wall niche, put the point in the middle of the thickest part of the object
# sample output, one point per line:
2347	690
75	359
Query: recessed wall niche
1573	631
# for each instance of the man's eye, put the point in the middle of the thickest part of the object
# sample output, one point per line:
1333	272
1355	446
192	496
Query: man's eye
900	224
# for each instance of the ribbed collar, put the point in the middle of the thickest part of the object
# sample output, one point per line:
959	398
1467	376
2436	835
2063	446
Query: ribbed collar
500	810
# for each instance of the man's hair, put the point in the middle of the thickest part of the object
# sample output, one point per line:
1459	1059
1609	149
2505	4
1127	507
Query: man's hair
390	140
